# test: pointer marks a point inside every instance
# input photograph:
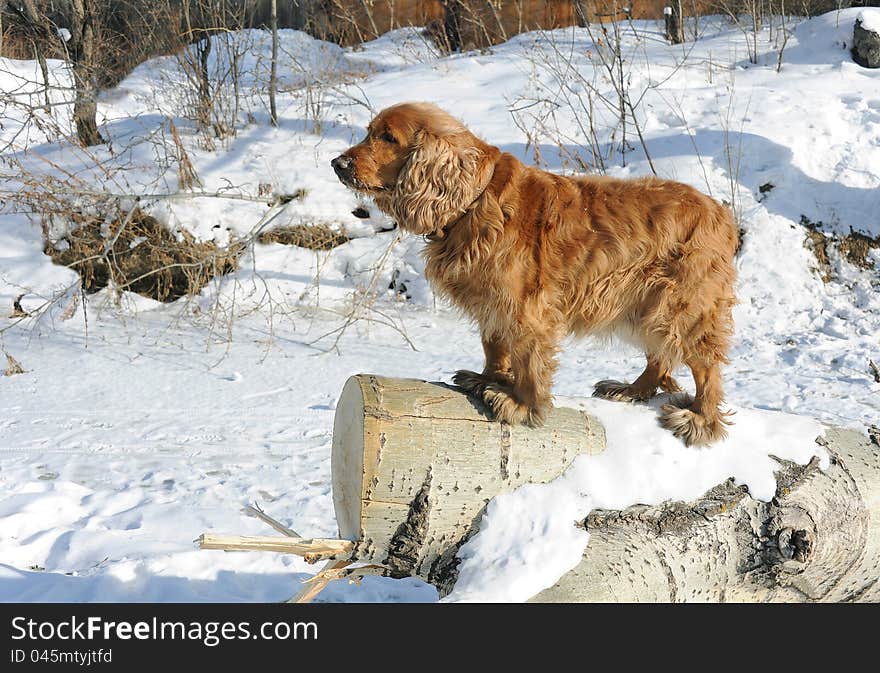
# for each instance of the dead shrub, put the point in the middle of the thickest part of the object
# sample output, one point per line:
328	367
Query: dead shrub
316	236
136	252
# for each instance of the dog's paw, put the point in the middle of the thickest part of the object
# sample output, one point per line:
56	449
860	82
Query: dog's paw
506	408
620	391
470	382
609	389
692	428
680	399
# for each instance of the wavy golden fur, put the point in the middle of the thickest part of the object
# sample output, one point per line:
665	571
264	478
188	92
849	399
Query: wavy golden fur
532	256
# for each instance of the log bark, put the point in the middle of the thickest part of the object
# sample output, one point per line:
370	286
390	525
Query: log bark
415	463
40	31
818	540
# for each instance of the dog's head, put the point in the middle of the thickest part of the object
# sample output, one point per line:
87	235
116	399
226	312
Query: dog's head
422	166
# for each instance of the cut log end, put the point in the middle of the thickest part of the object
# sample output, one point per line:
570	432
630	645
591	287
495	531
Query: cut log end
414	463
347	459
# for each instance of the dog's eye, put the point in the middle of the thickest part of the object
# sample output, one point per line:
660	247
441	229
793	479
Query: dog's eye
388	138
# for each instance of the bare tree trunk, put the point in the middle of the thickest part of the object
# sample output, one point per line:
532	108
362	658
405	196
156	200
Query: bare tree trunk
297	16
674	22
82	46
203	49
2	9
580	13
196	34
273	73
452	24
39	26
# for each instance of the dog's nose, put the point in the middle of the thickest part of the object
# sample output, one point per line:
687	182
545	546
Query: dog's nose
341	164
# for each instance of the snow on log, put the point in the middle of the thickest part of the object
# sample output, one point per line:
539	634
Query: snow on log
415	463
817	540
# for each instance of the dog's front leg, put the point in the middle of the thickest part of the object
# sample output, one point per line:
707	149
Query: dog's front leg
527	399
496	370
498	367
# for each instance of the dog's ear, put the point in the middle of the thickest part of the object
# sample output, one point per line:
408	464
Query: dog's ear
437	182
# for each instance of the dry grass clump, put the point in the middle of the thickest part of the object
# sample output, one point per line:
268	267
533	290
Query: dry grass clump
818	243
13	366
854	247
136	252
312	236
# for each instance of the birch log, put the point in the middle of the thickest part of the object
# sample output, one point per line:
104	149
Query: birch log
818	540
415	463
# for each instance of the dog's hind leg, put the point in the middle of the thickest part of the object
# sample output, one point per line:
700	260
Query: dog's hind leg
695	315
656	375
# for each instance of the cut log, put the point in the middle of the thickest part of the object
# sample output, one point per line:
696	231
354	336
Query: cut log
818	540
415	463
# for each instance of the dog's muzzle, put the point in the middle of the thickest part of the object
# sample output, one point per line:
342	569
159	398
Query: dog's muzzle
343	166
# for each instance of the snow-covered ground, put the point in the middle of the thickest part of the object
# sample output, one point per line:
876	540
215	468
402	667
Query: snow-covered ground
135	428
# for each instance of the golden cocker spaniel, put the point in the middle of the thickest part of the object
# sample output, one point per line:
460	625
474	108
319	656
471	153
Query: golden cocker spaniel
532	256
